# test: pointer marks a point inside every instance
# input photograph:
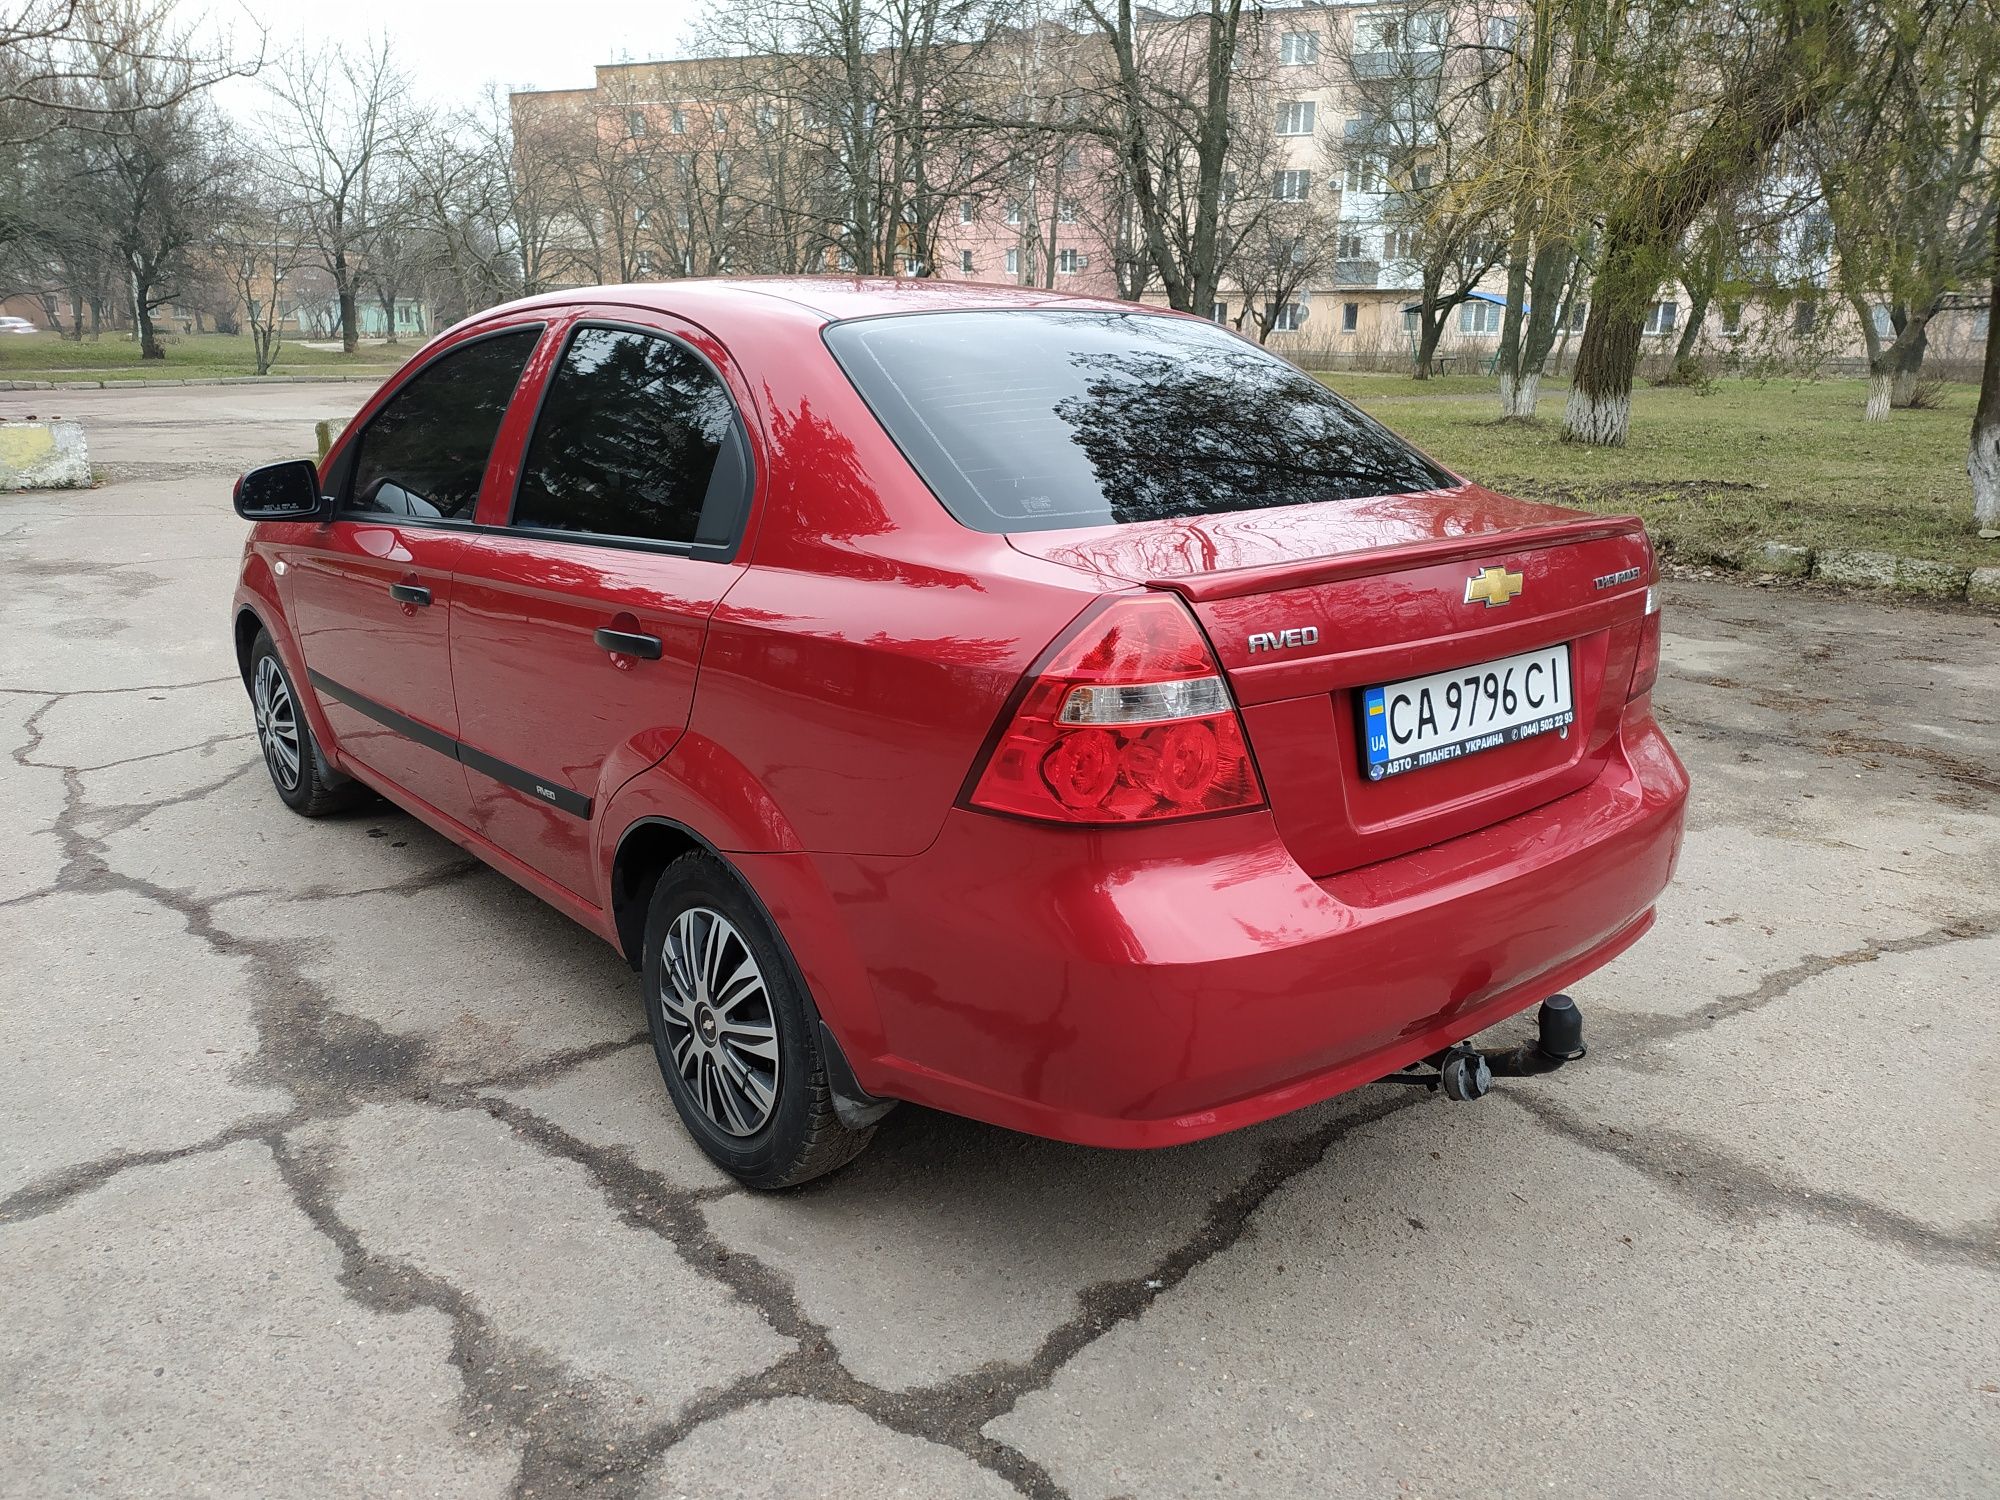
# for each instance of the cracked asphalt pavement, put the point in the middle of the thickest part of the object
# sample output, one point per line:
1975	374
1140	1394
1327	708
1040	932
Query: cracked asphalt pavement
332	1164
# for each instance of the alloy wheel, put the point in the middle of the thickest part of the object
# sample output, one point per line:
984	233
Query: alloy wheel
721	1029
277	723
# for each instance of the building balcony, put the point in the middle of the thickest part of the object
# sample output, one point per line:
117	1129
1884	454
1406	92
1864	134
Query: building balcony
1357	273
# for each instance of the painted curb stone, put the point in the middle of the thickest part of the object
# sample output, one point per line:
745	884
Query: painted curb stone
43	456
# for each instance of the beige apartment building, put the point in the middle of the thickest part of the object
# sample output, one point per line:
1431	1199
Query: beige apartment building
643	165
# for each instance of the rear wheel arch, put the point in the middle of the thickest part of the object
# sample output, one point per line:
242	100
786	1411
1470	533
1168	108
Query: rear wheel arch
644	852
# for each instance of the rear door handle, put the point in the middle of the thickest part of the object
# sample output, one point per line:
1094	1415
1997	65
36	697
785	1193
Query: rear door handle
625	643
409	593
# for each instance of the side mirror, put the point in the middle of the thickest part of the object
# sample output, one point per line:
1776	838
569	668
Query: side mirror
280	492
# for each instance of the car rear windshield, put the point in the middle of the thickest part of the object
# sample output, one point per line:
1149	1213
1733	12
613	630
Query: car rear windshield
1044	420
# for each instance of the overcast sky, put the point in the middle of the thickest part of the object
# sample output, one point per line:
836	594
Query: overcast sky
453	49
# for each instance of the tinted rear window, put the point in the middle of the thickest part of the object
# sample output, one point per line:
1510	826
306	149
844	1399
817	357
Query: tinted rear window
1044	420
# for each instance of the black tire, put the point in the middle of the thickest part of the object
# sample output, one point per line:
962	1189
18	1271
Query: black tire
303	780
706	1053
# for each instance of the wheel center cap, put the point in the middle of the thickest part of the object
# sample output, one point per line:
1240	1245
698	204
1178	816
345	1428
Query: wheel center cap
704	1022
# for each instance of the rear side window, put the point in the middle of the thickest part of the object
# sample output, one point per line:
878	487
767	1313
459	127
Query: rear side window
424	453
1043	420
637	439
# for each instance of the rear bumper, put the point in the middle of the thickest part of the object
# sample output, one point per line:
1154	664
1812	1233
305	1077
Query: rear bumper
1150	987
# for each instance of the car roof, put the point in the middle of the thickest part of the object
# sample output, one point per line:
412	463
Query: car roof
818	299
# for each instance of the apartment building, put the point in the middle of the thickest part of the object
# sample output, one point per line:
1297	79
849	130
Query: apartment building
730	165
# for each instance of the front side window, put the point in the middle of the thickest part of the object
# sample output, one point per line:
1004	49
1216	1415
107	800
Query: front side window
424	454
1046	420
637	438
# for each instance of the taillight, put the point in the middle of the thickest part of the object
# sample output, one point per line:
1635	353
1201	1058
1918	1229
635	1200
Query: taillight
1127	721
1646	666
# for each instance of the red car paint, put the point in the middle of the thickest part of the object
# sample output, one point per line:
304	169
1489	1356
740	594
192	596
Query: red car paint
823	696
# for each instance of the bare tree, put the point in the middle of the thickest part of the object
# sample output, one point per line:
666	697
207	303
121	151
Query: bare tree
1288	249
1738	91
1910	180
1168	112
158	173
1414	151
860	109
46	80
255	258
1982	461
337	115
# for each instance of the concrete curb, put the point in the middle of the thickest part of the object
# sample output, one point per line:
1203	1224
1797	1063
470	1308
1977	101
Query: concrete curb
1861	568
43	456
146	385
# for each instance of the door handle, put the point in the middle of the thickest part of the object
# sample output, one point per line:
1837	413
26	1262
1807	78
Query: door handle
626	643
409	593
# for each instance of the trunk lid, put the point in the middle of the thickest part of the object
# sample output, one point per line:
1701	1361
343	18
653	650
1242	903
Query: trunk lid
1380	587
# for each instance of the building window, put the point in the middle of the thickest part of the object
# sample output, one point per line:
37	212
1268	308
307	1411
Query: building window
720	120
1732	318
1291	187
1218	312
1297	117
1287	319
1885	326
1066	211
1014	263
1660	317
965	261
641	217
1479	316
1298	48
1350	316
1350	246
645	263
1363	176
1013	213
680	121
1069	262
1805	316
965	211
767	117
912	266
1400	244
635	122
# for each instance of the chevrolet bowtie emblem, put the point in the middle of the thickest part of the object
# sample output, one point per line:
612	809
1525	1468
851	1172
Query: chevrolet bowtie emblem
1492	586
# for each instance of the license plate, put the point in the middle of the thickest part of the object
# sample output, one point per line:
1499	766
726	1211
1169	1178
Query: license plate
1425	721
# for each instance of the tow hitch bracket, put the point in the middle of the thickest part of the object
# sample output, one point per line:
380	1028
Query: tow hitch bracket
1463	1072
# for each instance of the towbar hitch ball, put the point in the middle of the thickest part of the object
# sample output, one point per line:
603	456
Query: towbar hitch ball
1465	1072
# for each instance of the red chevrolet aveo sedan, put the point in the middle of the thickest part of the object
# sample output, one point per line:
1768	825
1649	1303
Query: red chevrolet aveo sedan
1054	711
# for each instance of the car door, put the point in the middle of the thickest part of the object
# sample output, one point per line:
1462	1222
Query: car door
581	611
371	595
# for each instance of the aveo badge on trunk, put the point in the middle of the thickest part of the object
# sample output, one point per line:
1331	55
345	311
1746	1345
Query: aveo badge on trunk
1423	721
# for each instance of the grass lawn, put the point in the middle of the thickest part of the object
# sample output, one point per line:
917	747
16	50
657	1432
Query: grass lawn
45	356
1785	461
